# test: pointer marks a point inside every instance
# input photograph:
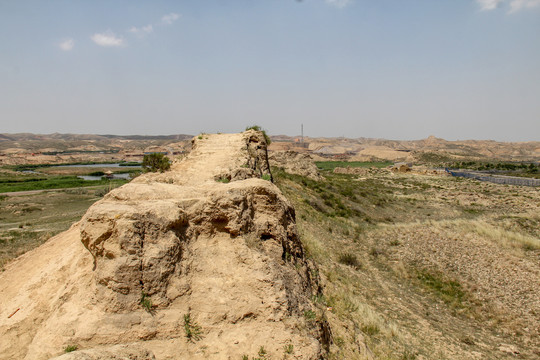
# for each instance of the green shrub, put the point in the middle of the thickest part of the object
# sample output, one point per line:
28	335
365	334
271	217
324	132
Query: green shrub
350	260
156	162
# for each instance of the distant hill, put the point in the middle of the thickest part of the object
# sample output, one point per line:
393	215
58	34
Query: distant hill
367	149
80	137
359	149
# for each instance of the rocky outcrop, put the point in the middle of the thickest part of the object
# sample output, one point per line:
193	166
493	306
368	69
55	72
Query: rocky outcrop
203	261
295	163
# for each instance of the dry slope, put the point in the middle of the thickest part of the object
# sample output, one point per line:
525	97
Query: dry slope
209	238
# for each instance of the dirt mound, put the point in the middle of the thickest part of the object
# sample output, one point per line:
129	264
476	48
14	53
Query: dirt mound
295	163
203	261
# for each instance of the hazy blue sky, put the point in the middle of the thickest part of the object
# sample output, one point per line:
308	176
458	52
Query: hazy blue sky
457	69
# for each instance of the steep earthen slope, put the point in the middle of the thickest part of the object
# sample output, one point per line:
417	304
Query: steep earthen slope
209	239
295	163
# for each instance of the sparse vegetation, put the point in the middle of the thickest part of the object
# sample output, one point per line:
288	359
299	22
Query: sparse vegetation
450	291
70	348
224	180
262	352
310	315
417	246
288	349
408	230
191	328
42	215
146	302
350	260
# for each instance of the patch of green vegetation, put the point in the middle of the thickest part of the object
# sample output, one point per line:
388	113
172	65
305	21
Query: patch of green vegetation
450	291
521	169
349	259
331	165
156	162
130	163
408	355
223	180
370	329
341	195
146	302
310	315
288	349
266	177
33	167
433	158
70	348
339	341
191	328
53	182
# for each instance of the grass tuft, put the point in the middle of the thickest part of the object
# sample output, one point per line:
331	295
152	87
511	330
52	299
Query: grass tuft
191	328
70	348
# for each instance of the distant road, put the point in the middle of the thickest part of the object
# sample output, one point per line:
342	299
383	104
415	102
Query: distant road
497	179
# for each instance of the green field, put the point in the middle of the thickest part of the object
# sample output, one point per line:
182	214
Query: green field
331	165
29	167
28	183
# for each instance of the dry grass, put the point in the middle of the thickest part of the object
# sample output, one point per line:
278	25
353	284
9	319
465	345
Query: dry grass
26	221
511	239
446	265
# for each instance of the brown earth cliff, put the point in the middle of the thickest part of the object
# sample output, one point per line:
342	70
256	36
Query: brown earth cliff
211	238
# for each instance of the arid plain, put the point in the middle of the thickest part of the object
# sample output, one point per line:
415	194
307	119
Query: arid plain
412	265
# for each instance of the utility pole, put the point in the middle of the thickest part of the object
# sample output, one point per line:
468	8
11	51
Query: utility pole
302	132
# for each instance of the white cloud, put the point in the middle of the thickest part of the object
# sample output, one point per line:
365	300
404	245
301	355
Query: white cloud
107	39
489	4
142	30
67	44
516	5
169	18
338	3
